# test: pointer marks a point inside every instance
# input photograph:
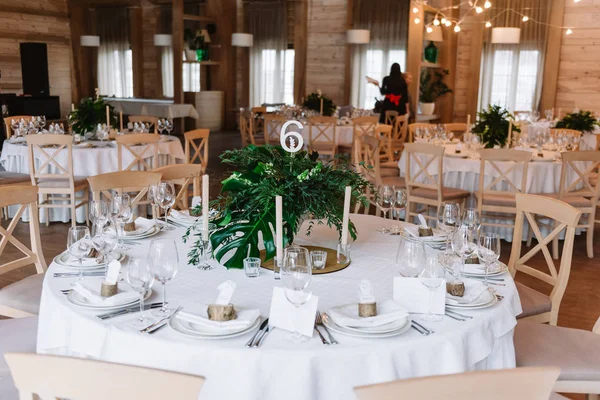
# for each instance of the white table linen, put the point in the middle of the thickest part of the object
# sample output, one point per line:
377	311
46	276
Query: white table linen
280	369
344	134
155	108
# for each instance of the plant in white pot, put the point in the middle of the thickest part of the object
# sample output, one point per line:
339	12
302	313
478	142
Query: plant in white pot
432	87
191	43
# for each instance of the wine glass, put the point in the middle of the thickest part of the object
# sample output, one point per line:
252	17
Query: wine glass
448	220
104	242
471	219
79	245
296	272
488	251
409	257
160	125
98	213
385	201
432	276
399	204
168	126
549	115
464	243
41	120
140	278
121	213
152	198
164	262
165	196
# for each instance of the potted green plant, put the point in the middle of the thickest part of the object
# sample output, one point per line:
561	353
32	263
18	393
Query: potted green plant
89	114
192	42
582	121
492	126
432	87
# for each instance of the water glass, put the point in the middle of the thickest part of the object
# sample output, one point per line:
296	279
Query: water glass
140	278
385	201
410	257
164	263
464	243
252	266
471	219
488	251
319	259
121	213
165	196
98	213
104	242
448	220
79	244
296	272
432	276
399	204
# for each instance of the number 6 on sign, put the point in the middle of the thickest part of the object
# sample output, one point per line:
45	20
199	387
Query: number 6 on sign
295	139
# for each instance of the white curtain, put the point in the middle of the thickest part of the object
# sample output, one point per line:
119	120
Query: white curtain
387	20
270	60
115	67
167	71
512	74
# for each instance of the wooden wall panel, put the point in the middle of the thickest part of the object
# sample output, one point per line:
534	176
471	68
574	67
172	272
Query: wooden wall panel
152	75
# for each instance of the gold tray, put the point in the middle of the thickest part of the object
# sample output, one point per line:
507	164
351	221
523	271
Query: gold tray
330	266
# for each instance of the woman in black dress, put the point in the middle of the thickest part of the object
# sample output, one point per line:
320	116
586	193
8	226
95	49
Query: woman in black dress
395	90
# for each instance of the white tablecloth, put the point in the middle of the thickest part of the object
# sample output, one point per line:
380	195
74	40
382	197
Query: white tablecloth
86	162
156	108
280	369
344	134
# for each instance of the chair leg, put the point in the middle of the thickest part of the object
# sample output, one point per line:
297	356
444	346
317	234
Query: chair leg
590	237
407	212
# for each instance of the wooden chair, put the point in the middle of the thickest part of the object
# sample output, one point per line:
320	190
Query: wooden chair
507	384
423	187
390	117
12	178
575	351
18	335
78	378
183	175
322	135
55	180
493	198
554	132
145	119
140	146
22	298
360	126
413	127
272	125
458	129
537	306
384	134
258	123
197	140
8	125
246	127
399	133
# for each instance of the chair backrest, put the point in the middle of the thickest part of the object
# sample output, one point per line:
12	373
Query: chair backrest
565	218
508	167
581	166
384	134
197	140
146	119
51	149
424	155
322	131
273	124
564	131
246	127
400	128
364	125
367	151
457	128
390	117
78	378
259	110
123	182
8	122
24	196
184	175
140	146
507	384
413	127
258	123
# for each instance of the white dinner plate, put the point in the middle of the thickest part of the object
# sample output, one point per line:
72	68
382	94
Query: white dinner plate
362	334
498	268
184	328
150	232
456	155
63	260
429	239
78	300
387	328
487	299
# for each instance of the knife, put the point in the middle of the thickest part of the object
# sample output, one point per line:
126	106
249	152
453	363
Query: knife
263	336
76	274
264	324
160	321
129	310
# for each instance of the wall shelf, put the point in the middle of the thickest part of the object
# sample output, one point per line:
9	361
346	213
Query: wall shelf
426	64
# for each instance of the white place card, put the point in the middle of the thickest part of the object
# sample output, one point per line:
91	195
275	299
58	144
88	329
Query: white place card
112	274
286	316
226	290
414	296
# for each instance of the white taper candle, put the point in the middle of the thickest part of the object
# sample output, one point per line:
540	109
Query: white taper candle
468	124
72	107
108	117
279	228
205	207
120	121
347	197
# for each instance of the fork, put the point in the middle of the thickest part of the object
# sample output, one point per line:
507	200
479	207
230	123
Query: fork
319	321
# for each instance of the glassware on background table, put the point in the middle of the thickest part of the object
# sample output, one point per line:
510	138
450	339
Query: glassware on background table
432	276
98	213
549	114
152	198
409	257
464	244
385	201
296	273
488	251
164	263
168	126
448	220
104	241
319	259
121	213
79	244
140	278
165	196
471	219
399	204
160	125
252	266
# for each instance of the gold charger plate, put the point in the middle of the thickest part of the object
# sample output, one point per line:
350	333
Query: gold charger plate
330	266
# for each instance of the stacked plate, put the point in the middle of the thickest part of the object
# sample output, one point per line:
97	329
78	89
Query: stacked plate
411	232
142	233
345	320
184	219
65	260
81	301
198	326
481	297
472	270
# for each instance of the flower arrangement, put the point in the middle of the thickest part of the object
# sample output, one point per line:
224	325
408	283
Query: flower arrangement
246	205
582	121
313	102
493	125
89	114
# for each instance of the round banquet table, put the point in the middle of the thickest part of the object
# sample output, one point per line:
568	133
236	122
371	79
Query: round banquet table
344	134
87	161
280	369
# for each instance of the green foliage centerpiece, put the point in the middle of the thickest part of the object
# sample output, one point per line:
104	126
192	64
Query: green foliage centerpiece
492	126
582	121
316	100
90	113
310	189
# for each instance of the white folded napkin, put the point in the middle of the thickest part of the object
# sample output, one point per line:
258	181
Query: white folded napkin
473	291
86	262
198	315
183	215
142	225
413	230
387	312
90	290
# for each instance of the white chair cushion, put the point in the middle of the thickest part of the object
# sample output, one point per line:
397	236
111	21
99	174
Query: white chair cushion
16	335
23	295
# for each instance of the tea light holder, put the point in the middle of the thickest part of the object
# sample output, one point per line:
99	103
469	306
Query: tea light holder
205	250
343	253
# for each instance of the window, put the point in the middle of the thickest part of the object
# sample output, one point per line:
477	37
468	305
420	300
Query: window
191	77
377	66
276	77
115	72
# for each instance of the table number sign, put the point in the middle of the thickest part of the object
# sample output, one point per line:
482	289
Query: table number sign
414	296
285	315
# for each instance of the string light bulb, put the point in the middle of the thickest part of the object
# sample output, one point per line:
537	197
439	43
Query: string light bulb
525	18
487	4
429	29
417	21
576	1
448	23
488	24
457	28
436	22
479	10
444	21
415	10
569	31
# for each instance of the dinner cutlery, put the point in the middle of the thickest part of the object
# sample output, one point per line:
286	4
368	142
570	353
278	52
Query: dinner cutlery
325	342
320	323
481	278
416	328
128	310
263	336
263	326
429	331
76	274
158	328
448	311
150	327
455	317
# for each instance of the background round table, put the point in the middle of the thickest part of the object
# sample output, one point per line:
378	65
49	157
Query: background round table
280	369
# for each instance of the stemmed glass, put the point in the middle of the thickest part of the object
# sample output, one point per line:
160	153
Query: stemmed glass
104	242
471	219
464	244
399	204
165	197
549	115
448	219
98	213
164	262
41	121
296	273
432	276
121	213
140	278
385	201
160	125
168	126
409	257
488	251
79	244
152	191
